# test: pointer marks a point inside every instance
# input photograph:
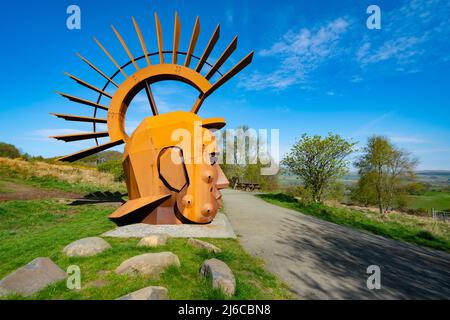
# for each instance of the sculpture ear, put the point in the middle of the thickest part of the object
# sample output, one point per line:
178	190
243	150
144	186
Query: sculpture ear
171	168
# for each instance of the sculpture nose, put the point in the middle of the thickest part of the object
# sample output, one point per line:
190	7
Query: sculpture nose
187	201
208	176
207	210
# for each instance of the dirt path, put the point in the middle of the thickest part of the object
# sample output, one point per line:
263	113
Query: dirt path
16	191
322	260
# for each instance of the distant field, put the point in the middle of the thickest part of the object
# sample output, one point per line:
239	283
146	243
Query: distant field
429	200
434	178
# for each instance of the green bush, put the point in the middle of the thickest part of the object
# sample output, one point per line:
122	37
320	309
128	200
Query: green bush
114	167
299	192
9	151
415	188
424	234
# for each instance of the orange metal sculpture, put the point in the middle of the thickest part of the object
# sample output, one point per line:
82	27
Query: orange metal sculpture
169	181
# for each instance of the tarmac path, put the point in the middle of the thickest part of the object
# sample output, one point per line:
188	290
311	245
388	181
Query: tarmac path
322	260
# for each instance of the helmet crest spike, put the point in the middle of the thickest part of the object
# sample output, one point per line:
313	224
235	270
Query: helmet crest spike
160	38
141	40
192	43
176	38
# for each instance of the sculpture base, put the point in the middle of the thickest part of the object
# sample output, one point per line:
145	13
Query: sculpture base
220	227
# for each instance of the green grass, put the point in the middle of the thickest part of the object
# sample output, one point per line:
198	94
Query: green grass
3	188
31	229
439	200
51	183
421	231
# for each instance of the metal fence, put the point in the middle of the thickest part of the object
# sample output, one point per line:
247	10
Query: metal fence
440	215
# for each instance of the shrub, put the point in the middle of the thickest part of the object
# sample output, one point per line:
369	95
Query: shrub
9	151
335	191
401	201
425	235
415	188
301	192
114	167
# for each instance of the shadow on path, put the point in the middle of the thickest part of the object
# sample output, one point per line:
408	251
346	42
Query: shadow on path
322	260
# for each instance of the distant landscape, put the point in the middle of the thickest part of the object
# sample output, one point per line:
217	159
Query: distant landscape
436	195
431	177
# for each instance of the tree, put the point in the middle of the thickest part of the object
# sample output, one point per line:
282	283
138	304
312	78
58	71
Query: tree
381	168
246	167
363	192
319	162
9	151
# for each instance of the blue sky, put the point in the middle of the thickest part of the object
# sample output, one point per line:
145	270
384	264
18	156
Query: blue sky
316	69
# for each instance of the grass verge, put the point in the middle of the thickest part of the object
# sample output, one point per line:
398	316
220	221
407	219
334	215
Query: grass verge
42	228
417	230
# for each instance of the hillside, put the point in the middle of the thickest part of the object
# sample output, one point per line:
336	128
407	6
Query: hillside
64	177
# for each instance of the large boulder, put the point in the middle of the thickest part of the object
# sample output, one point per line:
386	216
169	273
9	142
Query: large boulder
221	275
86	247
204	245
154	240
31	278
148	293
151	264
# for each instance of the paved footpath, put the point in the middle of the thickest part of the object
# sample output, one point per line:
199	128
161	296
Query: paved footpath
322	260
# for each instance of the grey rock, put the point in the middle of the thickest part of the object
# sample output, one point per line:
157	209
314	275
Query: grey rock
148	293
86	247
152	264
221	275
154	240
31	278
204	245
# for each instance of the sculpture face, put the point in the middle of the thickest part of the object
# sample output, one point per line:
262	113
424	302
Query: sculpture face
169	180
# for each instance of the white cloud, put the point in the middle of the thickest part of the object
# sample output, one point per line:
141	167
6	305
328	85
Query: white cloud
408	139
368	128
299	53
414	30
403	50
414	35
